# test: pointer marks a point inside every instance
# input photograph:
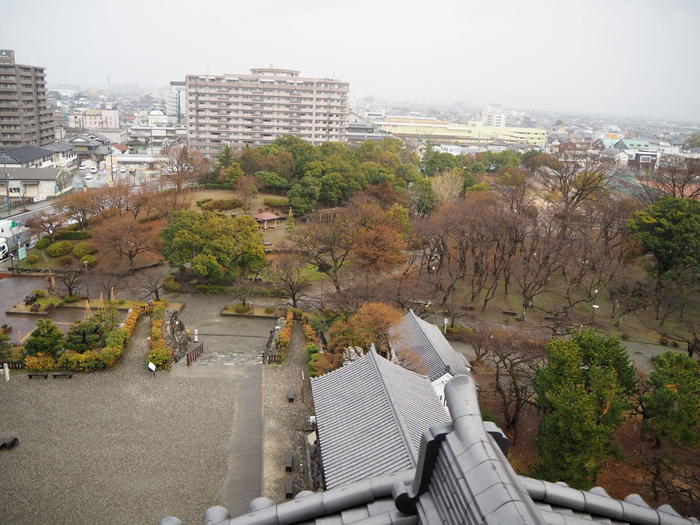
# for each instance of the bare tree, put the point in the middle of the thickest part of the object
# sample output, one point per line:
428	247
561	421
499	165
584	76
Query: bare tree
247	188
152	281
514	361
71	280
126	237
288	273
46	223
326	246
674	178
181	166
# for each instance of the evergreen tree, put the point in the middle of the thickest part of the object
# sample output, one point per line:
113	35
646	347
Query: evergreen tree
46	338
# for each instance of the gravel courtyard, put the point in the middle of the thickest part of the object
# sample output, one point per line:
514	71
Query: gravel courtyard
123	447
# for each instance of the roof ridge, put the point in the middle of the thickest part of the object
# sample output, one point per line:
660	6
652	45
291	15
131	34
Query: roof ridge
394	410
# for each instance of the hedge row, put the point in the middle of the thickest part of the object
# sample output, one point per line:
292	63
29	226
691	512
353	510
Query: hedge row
161	354
115	343
284	336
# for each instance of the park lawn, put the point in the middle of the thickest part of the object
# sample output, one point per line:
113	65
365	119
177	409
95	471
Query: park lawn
257	204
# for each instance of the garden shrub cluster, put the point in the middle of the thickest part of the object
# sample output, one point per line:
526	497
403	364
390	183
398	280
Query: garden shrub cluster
161	354
284	336
241	308
313	349
59	249
202	202
276	202
223	204
170	284
88	260
84	248
43	243
71	235
32	259
115	342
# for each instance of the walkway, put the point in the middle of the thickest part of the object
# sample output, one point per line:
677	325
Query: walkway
122	446
285	423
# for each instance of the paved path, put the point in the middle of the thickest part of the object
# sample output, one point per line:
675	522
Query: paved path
285	423
121	446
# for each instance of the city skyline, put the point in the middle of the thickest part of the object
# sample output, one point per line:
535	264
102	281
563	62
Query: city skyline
620	58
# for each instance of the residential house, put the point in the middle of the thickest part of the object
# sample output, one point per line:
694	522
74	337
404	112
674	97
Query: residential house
26	157
35	184
90	146
63	154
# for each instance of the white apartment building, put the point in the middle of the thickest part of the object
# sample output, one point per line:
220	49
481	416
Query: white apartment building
94	119
493	116
255	109
176	101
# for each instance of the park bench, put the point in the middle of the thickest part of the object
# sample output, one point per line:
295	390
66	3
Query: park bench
8	442
290	395
289	491
45	375
67	375
288	462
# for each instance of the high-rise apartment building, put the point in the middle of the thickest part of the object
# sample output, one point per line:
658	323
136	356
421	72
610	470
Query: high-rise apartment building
24	115
176	101
255	109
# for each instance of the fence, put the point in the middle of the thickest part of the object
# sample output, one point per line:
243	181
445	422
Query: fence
13	365
193	354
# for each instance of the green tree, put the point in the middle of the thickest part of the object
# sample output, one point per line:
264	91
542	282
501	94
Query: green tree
422	197
692	142
582	394
5	346
304	195
46	338
86	335
670	231
435	162
302	153
273	182
214	246
671	411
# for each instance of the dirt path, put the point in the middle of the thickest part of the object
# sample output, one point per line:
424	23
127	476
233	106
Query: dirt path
284	422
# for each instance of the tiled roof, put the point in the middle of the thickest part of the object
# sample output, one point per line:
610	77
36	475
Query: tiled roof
27	174
266	216
461	478
23	154
371	414
414	339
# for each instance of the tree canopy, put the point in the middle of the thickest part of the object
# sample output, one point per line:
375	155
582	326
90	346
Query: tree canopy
214	246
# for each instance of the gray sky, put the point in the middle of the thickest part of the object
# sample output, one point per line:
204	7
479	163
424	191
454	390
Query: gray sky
627	57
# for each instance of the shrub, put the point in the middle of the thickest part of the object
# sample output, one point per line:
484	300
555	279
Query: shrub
64	235
312	349
65	260
32	259
43	243
170	284
212	288
223	204
241	308
88	260
59	249
69	299
459	331
276	202
49	303
160	355
40	293
284	336
40	362
200	203
270	309
84	248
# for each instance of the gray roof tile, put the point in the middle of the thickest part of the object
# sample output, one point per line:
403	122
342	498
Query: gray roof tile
370	415
417	340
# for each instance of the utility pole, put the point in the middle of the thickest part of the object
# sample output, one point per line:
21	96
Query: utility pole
7	190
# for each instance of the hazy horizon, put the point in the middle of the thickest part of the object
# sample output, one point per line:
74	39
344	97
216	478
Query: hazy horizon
621	57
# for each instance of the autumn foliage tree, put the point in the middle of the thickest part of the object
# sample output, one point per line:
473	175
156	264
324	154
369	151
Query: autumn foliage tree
127	237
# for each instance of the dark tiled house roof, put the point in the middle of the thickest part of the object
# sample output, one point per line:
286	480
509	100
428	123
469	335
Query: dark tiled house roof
381	405
23	154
